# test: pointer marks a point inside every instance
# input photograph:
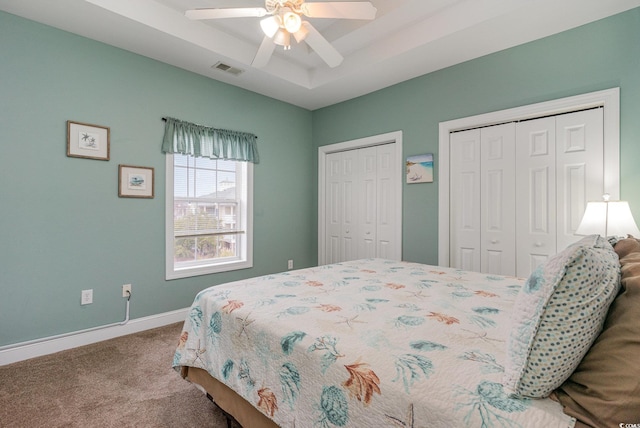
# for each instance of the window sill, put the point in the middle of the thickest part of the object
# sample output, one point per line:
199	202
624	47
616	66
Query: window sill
188	272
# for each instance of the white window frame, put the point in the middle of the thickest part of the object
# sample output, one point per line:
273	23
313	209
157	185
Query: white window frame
245	222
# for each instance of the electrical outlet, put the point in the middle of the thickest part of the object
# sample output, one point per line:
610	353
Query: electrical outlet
290	264
86	297
126	290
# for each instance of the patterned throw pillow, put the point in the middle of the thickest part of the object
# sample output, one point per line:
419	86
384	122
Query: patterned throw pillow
558	314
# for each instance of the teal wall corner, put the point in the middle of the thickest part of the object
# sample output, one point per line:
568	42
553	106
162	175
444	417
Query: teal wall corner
63	227
601	55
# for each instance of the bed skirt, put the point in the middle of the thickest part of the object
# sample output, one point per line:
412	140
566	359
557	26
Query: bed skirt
230	402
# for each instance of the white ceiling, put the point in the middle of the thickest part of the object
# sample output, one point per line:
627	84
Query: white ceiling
408	38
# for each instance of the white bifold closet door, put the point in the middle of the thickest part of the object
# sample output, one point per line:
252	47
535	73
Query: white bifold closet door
518	190
483	199
560	167
359	217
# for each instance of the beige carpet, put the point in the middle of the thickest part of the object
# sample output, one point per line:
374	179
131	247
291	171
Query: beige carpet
122	382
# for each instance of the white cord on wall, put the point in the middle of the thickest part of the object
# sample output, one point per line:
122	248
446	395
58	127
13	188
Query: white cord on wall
72	333
126	311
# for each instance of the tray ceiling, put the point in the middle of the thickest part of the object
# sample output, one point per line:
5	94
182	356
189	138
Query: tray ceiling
407	39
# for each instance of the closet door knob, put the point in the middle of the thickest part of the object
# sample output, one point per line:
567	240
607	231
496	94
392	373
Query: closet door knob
494	241
368	233
538	244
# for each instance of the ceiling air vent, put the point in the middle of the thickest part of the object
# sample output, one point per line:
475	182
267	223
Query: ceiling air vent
227	68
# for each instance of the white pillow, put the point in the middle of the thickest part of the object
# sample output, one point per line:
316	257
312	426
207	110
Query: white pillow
558	314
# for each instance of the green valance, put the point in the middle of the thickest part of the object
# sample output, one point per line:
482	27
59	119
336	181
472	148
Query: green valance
204	141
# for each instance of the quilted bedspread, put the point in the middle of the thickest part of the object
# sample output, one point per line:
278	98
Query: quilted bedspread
369	343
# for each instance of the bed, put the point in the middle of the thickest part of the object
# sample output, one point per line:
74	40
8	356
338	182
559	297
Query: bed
385	343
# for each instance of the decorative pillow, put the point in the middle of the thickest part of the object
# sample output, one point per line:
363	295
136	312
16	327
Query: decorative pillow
558	314
605	388
626	246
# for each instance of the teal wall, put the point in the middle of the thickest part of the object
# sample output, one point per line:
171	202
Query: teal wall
62	226
64	229
597	56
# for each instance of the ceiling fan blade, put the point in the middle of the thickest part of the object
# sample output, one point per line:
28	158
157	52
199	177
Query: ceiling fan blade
237	12
344	10
264	53
319	44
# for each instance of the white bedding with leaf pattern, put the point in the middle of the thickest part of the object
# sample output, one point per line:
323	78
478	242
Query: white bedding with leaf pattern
368	343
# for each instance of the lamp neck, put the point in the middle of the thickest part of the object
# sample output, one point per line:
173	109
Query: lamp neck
606	218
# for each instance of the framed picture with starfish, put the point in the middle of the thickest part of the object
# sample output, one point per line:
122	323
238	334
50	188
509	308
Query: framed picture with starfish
87	141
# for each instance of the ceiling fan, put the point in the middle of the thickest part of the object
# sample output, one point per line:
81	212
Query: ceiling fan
284	18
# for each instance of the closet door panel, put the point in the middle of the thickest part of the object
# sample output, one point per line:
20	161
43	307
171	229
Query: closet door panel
535	193
350	212
367	202
385	208
348	247
361	217
580	151
498	244
333	208
465	200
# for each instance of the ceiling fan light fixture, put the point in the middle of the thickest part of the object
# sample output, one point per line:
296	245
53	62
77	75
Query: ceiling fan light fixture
301	34
283	39
282	18
291	22
270	25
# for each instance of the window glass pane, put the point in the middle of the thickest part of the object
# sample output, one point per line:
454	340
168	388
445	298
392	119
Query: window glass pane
215	247
184	249
205	247
205	183
184	220
180	182
227	245
227	185
227	215
206	217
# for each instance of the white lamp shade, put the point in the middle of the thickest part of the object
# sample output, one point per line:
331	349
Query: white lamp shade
282	38
291	22
270	25
608	219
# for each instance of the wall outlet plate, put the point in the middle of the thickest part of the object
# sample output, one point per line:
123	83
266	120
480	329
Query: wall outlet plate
86	297
126	290
290	264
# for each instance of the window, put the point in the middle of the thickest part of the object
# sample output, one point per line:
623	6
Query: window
208	215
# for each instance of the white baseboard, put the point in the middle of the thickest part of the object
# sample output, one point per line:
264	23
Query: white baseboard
26	350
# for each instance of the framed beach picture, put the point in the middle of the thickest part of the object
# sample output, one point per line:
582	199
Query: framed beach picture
87	141
135	181
420	168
